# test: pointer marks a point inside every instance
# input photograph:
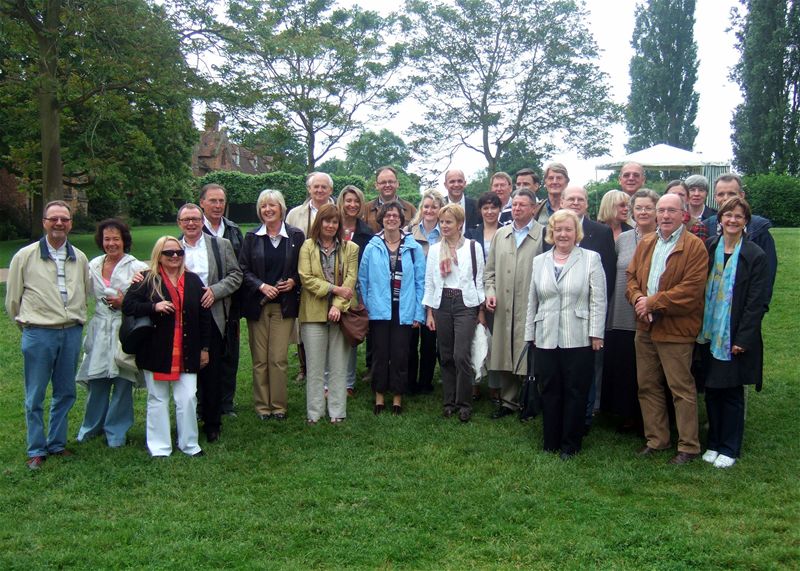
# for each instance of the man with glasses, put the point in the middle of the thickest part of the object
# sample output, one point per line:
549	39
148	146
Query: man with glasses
666	281
46	296
213	202
631	178
214	261
386	184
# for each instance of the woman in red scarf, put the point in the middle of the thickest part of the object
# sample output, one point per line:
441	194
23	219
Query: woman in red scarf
177	348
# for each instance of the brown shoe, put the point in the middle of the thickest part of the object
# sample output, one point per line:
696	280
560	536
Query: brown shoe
646	451
683	458
35	462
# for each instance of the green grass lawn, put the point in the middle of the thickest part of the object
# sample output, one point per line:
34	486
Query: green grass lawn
416	491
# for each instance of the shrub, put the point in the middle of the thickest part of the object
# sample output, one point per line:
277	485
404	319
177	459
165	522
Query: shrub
774	196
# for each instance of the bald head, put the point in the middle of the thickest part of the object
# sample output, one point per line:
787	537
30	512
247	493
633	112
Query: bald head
576	199
669	214
454	182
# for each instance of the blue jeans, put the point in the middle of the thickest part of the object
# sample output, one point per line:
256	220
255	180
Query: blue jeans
49	355
114	417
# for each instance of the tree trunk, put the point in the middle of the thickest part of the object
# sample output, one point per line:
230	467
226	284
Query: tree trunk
49	116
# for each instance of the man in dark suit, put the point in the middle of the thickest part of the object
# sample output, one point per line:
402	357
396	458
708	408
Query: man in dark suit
454	182
527	178
213	201
213	260
598	238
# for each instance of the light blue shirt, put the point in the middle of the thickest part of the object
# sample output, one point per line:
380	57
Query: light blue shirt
519	234
660	254
433	236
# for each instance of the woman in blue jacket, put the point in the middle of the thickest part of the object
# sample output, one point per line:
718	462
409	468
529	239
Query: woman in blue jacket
392	280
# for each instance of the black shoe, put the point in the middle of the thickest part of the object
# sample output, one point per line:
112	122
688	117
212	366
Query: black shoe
397	410
501	412
465	415
567	455
378	409
279	416
198	454
212	436
448	411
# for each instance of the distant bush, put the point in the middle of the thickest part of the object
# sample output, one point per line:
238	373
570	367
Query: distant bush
774	196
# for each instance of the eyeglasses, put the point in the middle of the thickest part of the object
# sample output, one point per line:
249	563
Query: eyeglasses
390	215
698	189
643	209
190	220
173	253
668	211
57	219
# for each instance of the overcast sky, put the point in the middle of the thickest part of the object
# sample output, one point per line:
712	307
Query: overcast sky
612	23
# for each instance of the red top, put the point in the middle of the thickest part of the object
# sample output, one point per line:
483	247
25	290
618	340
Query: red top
176	293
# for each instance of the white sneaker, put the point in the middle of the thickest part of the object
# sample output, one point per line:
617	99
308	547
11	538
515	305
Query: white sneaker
723	461
710	456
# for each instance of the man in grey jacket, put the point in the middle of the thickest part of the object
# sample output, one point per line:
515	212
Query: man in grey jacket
46	296
213	260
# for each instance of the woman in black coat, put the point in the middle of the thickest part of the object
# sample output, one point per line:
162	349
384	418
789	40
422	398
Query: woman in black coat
736	300
177	348
270	301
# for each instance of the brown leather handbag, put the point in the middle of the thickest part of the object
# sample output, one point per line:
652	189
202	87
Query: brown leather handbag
354	322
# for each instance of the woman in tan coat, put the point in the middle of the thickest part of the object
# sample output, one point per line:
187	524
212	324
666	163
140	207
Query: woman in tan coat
328	271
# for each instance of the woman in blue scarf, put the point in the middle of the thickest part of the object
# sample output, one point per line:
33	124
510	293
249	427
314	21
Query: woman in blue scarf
736	300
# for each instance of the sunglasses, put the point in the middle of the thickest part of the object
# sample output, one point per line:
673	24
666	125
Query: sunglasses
172	253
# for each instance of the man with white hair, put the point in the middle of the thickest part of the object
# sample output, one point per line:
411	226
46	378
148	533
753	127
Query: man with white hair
320	188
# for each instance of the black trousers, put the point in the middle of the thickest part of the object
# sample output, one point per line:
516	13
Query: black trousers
565	376
229	367
209	385
389	356
422	356
725	409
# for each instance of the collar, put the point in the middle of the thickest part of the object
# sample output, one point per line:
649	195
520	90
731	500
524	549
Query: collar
527	227
207	223
262	231
201	242
44	249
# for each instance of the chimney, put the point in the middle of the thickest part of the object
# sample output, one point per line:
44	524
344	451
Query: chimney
212	121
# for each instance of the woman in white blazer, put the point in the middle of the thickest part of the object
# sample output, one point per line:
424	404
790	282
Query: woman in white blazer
453	298
565	323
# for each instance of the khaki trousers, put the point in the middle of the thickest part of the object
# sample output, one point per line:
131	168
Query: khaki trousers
269	347
656	360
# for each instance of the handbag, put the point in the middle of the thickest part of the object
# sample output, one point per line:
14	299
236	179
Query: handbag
530	399
133	331
354	323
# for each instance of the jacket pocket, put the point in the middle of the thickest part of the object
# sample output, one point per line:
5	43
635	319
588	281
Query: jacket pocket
582	313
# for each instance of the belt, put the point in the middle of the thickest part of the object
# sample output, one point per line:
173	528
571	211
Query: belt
450	292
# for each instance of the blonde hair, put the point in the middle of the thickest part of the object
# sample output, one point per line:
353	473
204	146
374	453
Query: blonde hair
561	216
432	194
153	277
268	195
609	203
350	189
457	212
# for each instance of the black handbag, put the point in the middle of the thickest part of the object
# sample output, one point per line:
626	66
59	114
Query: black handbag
133	331
530	399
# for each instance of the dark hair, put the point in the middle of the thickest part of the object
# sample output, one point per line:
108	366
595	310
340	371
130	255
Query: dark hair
114	223
729	177
528	172
730	204
387	206
209	186
325	212
489	198
526	192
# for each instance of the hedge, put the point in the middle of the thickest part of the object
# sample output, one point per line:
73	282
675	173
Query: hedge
243	189
774	196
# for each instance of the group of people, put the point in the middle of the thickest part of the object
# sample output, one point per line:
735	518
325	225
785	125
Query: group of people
628	314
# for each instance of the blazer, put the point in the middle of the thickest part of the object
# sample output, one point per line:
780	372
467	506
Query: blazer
251	260
374	278
315	296
155	354
471	212
600	238
471	289
361	237
224	282
565	312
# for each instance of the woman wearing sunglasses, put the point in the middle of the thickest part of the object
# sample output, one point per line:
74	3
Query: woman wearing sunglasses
177	348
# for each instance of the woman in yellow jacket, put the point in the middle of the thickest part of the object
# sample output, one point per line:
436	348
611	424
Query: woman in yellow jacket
328	271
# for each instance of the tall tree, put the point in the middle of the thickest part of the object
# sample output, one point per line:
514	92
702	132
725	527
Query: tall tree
491	72
316	65
766	123
83	67
662	106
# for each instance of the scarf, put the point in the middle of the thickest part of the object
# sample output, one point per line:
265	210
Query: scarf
176	295
719	295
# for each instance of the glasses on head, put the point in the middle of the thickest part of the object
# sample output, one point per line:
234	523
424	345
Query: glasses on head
643	209
192	220
668	211
57	219
173	253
